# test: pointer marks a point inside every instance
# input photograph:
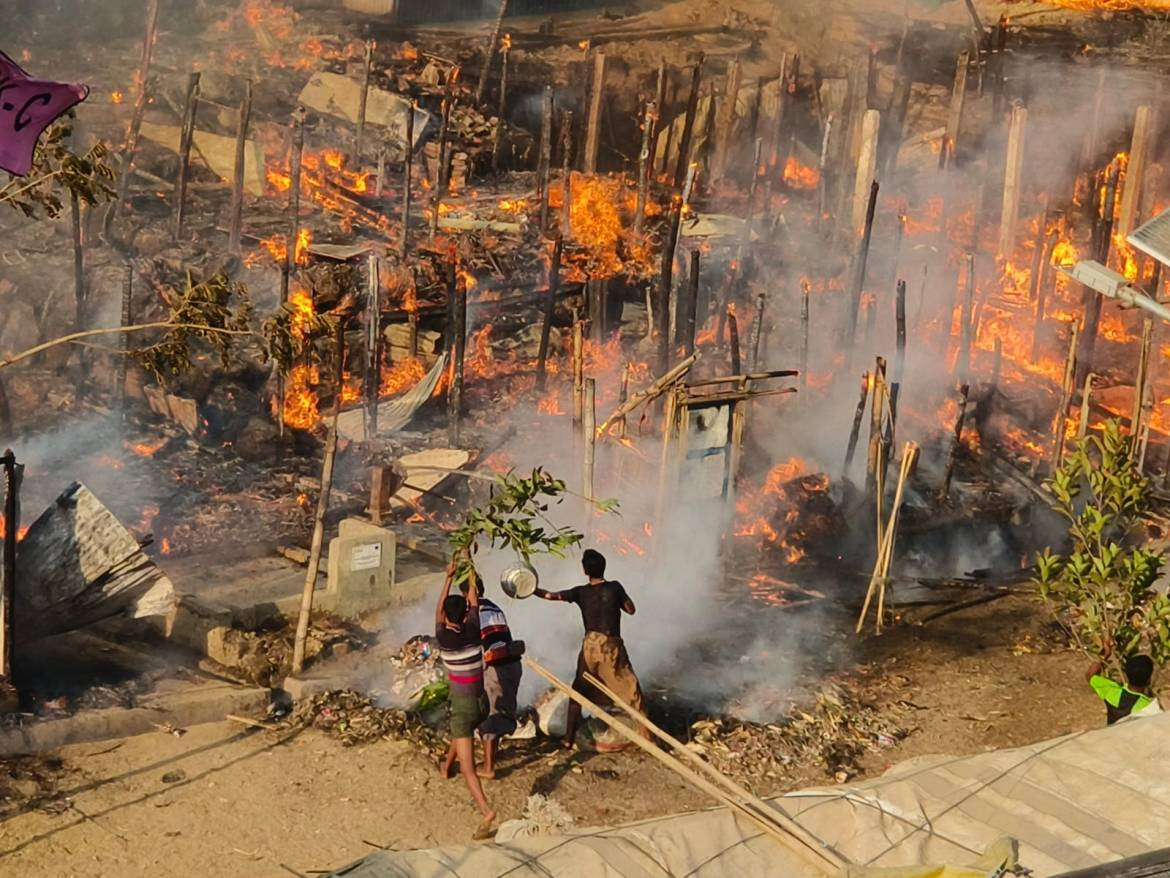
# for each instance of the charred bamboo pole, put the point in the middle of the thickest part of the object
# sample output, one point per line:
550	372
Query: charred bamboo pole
593	127
237	205
877	412
733	332
861	256
455	397
1038	249
1091	299
692	309
1135	171
373	345
823	171
544	163
127	320
900	330
684	146
498	134
666	285
660	107
135	129
1086	398
623	397
12	478
855	432
866	166
1142	382
441	171
946	156
407	177
651	392
578	373
1042	295
645	163
310	585
1070	371
566	174
79	288
363	99
1013	171
186	135
550	304
776	155
956	437
725	122
757	332
589	435
803	336
489	54
294	201
881	567
966	323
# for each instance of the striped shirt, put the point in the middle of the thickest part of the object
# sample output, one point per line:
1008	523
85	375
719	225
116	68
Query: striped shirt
462	654
494	633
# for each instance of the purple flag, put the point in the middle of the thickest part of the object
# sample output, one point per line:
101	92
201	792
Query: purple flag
27	107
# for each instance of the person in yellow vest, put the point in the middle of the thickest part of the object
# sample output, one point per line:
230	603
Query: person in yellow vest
1133	699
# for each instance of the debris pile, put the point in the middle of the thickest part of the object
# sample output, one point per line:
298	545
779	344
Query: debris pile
355	719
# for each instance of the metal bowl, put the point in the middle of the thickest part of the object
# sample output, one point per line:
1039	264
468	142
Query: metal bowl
519	580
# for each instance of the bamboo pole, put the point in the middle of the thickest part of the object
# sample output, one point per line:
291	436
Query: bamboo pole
1070	369
660	107
544	162
666	468
1135	171
956	437
881	566
312	572
13	473
666	285
623	396
186	135
593	127
963	360
861	257
690	318
589	437
946	156
684	146
855	432
294	200
566	174
550	304
1086	396
455	397
757	333
830	858
441	170
1038	249
498	134
775	159
803	335
866	166
900	330
127	320
816	856
1042	295
725	121
649	115
135	129
733	332
1091	299
1141	384
1013	171
578	373
489	54
877	411
363	99
373	344
652	391
79	290
237	205
407	174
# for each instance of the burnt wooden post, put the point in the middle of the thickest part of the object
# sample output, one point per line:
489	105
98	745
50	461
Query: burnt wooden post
966	324
690	317
645	163
489	54
124	359
13	473
596	294
946	155
1066	391
857	277
1103	243
566	173
1042	296
441	170
757	332
186	135
578	372
1013	171
458	292
135	128
733	334
381	480
660	106
803	336
593	127
725	121
78	262
498	135
623	395
235	230
855	430
866	167
776	156
684	146
373	344
665	283
363	100
900	329
544	162
589	435
1038	251
550	304
407	175
294	200
1135	171
957	433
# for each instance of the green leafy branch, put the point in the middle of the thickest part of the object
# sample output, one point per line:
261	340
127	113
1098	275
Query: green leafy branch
1103	588
87	176
512	518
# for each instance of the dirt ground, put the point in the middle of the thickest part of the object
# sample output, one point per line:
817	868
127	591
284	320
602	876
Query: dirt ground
231	801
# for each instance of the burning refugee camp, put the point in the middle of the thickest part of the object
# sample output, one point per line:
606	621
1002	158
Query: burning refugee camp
814	352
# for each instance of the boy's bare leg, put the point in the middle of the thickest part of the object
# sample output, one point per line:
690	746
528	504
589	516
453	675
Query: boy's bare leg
464	751
490	747
446	768
571	724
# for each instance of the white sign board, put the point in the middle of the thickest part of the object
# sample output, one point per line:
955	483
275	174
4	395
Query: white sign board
367	556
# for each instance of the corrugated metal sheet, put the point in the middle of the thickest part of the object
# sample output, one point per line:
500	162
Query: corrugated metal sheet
1153	237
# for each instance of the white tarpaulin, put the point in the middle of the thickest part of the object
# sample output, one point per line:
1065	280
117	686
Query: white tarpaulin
1071	802
393	414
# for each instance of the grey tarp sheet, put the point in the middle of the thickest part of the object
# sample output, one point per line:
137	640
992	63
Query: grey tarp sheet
1072	802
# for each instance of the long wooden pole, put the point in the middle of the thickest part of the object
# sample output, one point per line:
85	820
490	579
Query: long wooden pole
294	200
1141	384
135	129
946	155
363	99
684	146
373	344
237	205
1135	171
455	397
822	860
127	320
757	332
725	122
660	105
652	391
489	54
1086	397
578	372
566	174
733	340
860	258
12	473
866	166
593	126
312	572
666	285
1066	389
550	304
957	433
1012	177
186	135
544	162
644	164
804	290
407	175
440	180
501	111
589	444
855	431
963	360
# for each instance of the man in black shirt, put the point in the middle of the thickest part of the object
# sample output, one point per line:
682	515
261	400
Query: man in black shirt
603	653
